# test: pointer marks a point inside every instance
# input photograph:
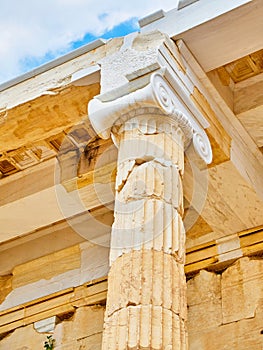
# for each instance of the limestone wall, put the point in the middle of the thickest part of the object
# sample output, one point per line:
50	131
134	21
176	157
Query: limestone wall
225	311
52	273
82	330
63	294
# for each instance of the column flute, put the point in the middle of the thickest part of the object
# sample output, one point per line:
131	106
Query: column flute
146	302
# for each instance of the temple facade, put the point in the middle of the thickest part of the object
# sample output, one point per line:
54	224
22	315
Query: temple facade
131	189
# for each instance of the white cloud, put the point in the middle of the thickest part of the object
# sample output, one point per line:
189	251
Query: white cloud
33	28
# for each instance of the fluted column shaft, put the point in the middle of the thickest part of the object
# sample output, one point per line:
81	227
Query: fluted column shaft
146	303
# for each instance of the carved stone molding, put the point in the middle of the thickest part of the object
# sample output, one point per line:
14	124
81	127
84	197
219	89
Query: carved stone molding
158	97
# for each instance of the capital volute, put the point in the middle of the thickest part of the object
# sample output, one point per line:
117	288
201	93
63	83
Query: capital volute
149	108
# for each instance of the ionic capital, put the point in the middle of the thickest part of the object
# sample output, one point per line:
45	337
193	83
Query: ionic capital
155	104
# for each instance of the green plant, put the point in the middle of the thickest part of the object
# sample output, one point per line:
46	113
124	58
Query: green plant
49	343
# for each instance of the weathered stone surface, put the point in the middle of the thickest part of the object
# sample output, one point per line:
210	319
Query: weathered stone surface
147	277
47	267
89	321
46	325
82	330
52	273
241	335
204	301
5	286
147	224
224	312
67	107
94	261
204	287
24	338
146	304
233	322
242	289
144	327
137	53
91	343
204	316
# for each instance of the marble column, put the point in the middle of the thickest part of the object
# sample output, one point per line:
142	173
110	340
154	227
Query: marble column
146	302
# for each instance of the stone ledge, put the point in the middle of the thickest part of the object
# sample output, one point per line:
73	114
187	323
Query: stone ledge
63	302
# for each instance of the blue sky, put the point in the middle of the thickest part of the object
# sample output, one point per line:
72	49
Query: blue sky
30	62
34	32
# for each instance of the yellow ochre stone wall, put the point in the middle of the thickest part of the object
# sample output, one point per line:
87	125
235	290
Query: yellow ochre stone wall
83	330
225	312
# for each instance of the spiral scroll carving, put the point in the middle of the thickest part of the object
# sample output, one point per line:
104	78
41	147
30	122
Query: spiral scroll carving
164	97
202	146
162	93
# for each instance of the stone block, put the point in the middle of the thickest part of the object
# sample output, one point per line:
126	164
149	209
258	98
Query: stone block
241	335
242	289
91	343
144	278
46	267
204	301
86	322
204	287
235	322
46	325
204	316
24	338
94	261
